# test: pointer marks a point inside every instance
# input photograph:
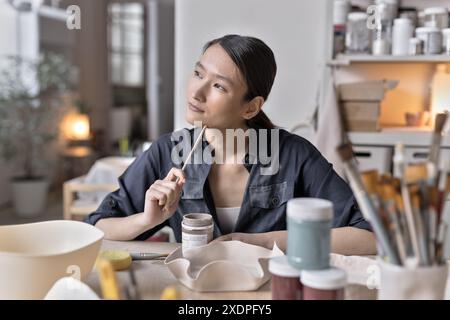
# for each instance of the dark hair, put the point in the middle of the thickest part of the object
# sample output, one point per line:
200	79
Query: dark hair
257	64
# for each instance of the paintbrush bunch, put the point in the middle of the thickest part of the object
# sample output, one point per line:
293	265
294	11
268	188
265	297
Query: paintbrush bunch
405	210
413	222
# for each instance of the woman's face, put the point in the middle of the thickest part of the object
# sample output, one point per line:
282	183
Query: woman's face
216	90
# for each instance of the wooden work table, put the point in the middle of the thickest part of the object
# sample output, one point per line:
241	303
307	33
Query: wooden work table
153	277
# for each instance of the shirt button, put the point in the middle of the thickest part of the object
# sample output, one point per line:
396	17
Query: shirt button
112	203
275	201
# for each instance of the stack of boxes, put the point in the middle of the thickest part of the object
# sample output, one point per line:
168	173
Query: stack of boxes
361	104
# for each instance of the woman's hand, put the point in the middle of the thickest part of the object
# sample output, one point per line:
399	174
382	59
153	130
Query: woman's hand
258	239
161	199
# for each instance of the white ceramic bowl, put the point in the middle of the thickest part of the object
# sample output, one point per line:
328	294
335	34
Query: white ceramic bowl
34	256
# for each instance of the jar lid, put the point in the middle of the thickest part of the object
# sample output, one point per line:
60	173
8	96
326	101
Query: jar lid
436	10
340	11
402	21
357	16
280	266
312	209
197	219
327	279
427	29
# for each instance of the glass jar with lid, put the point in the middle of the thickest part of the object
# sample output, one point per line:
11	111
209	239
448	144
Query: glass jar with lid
436	17
358	35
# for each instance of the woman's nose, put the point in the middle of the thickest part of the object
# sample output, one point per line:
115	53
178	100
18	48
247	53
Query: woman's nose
198	93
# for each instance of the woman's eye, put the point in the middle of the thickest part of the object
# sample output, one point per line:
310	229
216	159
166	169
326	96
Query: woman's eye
218	86
197	74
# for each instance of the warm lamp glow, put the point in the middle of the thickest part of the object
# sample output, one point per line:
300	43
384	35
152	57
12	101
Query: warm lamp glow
77	127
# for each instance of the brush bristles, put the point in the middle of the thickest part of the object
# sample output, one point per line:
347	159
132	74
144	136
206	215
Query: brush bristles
370	181
345	152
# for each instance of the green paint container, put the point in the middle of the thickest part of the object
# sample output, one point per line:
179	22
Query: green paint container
309	223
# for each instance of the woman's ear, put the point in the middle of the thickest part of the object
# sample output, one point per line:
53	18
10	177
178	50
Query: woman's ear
253	107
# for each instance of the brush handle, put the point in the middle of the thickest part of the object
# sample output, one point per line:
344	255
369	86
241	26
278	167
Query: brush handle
369	211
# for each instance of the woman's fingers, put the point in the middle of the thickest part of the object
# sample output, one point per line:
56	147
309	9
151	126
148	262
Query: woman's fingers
175	173
168	188
156	195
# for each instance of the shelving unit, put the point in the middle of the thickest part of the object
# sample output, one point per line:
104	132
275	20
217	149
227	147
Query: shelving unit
346	59
414	74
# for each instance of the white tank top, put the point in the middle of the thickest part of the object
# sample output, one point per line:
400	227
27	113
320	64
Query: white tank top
227	218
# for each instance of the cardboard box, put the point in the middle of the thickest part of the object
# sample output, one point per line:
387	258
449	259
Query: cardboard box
362	126
361	110
365	91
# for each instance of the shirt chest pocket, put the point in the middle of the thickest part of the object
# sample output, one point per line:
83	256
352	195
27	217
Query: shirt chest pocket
271	196
192	190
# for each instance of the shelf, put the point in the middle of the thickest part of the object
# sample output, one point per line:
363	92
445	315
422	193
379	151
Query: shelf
345	60
413	137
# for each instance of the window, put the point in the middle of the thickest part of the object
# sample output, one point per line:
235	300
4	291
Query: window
126	28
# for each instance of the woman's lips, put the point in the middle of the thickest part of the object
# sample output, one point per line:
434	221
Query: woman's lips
194	108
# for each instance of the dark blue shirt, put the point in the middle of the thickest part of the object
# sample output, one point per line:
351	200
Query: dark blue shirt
302	172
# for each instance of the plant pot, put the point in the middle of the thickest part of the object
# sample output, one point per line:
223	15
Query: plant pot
29	196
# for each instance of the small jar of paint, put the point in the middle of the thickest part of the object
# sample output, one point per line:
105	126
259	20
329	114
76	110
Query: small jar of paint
328	284
309	225
285	282
196	230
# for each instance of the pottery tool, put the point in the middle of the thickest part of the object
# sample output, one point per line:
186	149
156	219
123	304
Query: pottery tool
399	164
108	280
367	207
147	256
188	158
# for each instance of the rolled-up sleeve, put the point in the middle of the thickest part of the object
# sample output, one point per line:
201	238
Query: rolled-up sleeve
319	180
130	197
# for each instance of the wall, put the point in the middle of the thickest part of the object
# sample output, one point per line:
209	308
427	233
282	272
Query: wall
295	31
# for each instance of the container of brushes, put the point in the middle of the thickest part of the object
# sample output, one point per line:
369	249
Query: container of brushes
404	283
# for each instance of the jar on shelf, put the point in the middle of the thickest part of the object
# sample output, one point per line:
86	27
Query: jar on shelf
340	12
357	38
432	39
436	17
446	40
387	9
382	35
403	30
410	13
415	47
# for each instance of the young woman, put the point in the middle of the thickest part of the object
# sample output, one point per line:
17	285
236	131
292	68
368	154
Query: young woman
227	90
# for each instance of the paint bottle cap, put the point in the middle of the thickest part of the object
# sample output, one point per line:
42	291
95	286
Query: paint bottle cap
310	209
327	279
280	266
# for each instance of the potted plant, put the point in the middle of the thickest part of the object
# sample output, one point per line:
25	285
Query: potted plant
30	105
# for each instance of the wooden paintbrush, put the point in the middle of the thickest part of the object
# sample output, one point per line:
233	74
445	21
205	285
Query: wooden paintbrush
399	163
367	207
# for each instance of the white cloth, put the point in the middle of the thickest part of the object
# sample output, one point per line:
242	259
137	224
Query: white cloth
104	171
227	218
330	131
